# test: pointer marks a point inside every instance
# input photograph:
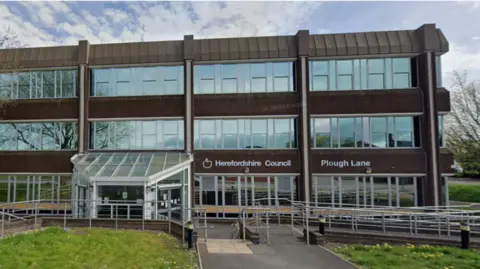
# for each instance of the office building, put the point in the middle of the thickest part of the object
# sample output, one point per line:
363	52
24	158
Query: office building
351	119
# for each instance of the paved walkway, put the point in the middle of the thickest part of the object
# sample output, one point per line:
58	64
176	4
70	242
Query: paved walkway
285	251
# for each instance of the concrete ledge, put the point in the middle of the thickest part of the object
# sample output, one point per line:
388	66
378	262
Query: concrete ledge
369	238
249	234
315	237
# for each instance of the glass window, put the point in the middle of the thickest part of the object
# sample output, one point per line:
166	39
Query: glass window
6	85
401	73
346	128
441	130
244	133
321	135
381	73
378	128
137	81
404	131
38	136
363	132
243	78
153	134
40	84
438	70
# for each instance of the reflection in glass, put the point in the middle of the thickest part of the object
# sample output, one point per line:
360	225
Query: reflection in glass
38	136
152	134
363	132
136	81
243	78
39	84
360	74
347	132
244	133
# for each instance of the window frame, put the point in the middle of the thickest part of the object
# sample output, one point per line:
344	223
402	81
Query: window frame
359	122
245	133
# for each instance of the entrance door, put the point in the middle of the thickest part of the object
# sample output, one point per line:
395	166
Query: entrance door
169	204
121	202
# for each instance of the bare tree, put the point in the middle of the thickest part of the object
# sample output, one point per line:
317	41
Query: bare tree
463	124
7	40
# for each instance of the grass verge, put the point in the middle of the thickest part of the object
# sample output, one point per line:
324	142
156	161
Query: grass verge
464	192
410	257
94	248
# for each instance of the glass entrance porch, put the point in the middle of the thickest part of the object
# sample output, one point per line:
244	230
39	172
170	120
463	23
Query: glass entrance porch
132	185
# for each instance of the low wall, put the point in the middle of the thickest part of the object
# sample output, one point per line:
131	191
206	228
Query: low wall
368	238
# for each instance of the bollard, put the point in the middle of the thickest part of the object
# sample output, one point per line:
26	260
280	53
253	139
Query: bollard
465	235
321	225
190	235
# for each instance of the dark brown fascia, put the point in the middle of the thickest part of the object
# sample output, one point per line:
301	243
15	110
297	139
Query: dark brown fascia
425	38
36	161
373	101
136	107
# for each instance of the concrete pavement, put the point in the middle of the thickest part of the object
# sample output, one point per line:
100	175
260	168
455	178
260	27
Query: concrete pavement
285	251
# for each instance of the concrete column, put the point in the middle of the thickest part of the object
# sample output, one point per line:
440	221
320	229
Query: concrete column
83	95
189	112
303	134
429	119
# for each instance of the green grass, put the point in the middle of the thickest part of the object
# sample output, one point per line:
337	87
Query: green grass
94	248
410	257
464	192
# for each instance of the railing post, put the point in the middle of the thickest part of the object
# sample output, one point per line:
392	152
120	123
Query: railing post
243	220
448	226
438	225
116	216
268	228
415	223
205	222
307	220
143	217
36	213
3	220
90	214
65	216
383	222
410	223
291	216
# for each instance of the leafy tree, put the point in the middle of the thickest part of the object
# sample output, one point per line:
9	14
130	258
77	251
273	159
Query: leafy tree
463	124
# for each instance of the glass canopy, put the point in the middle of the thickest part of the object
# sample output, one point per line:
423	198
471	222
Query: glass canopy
132	166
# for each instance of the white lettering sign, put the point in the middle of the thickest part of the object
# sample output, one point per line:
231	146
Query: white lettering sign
207	164
344	163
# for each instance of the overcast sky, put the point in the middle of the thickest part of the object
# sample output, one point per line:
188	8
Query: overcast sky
64	23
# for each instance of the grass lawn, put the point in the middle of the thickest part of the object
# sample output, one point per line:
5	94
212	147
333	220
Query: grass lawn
410	257
464	192
94	248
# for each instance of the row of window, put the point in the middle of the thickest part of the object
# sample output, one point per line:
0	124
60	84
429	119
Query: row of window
28	188
278	133
370	132
135	81
244	133
44	84
243	78
38	136
364	132
358	74
151	134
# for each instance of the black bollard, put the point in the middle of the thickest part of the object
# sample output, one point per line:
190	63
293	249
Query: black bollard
321	225
465	234
190	235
